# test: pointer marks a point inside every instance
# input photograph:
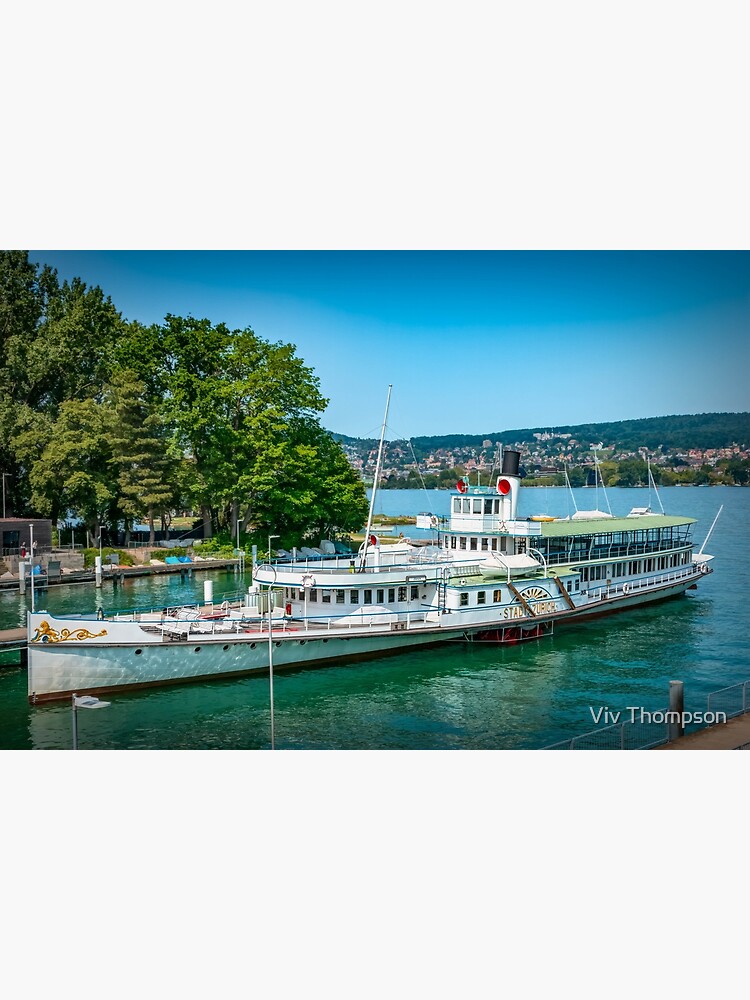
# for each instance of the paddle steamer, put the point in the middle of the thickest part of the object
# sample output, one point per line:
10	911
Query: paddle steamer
487	575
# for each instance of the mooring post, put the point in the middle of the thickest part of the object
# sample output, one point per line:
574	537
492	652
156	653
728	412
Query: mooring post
676	726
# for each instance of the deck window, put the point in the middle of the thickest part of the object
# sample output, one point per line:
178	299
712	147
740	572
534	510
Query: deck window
482	597
488	506
402	593
493	544
314	595
381	597
453	541
326	597
462	542
354	597
340	596
456	505
368	597
466	506
414	594
497	506
477	507
497	596
463	600
391	595
473	544
484	544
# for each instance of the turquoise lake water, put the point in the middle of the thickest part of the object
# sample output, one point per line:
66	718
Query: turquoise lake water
453	697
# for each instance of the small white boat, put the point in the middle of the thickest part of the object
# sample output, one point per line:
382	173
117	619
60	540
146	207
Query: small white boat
499	564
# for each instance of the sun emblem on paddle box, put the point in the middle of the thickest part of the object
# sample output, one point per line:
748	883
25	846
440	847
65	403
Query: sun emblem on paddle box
536	594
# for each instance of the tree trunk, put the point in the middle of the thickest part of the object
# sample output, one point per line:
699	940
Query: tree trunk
246	518
207	528
235	519
151	532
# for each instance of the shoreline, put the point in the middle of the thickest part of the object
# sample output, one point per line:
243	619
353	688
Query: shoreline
116	575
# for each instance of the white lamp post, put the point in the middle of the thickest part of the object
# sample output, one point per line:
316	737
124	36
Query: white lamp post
270	648
86	701
31	558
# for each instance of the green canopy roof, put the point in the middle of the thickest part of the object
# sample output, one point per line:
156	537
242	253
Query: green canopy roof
604	525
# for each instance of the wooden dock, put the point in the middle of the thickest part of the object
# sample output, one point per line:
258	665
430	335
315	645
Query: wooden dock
12	638
119	574
731	735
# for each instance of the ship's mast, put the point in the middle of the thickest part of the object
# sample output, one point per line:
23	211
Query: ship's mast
366	542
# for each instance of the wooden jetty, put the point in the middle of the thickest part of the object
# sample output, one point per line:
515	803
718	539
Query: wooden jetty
731	735
118	574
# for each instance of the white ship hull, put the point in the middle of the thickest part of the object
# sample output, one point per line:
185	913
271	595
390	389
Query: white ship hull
128	656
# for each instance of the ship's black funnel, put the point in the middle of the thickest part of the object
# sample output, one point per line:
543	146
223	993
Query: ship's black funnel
510	462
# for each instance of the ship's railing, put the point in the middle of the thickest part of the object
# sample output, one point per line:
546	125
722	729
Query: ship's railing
432	560
573	554
628	587
230	599
196	628
733	701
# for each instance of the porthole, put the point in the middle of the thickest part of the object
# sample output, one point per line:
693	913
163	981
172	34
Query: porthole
138	652
197	649
252	645
226	648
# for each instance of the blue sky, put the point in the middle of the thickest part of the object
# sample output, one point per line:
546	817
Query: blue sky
473	342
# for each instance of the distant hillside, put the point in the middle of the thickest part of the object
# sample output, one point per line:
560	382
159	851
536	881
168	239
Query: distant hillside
678	432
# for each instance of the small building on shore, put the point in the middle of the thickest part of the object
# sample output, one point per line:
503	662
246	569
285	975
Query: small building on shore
15	535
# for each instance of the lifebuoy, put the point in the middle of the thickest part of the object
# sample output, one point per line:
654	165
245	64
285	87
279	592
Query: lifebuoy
625	588
308	580
704	568
288	608
461	486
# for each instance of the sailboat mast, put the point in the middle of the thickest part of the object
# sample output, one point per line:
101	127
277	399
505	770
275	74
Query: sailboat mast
375	481
570	489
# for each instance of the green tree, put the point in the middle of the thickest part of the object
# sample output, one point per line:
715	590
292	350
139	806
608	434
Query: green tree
55	344
141	452
74	471
244	413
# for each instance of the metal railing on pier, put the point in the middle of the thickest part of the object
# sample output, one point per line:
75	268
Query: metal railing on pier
733	701
643	733
627	735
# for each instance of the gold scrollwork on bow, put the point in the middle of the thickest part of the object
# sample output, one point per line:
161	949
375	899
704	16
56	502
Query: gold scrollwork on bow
45	633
